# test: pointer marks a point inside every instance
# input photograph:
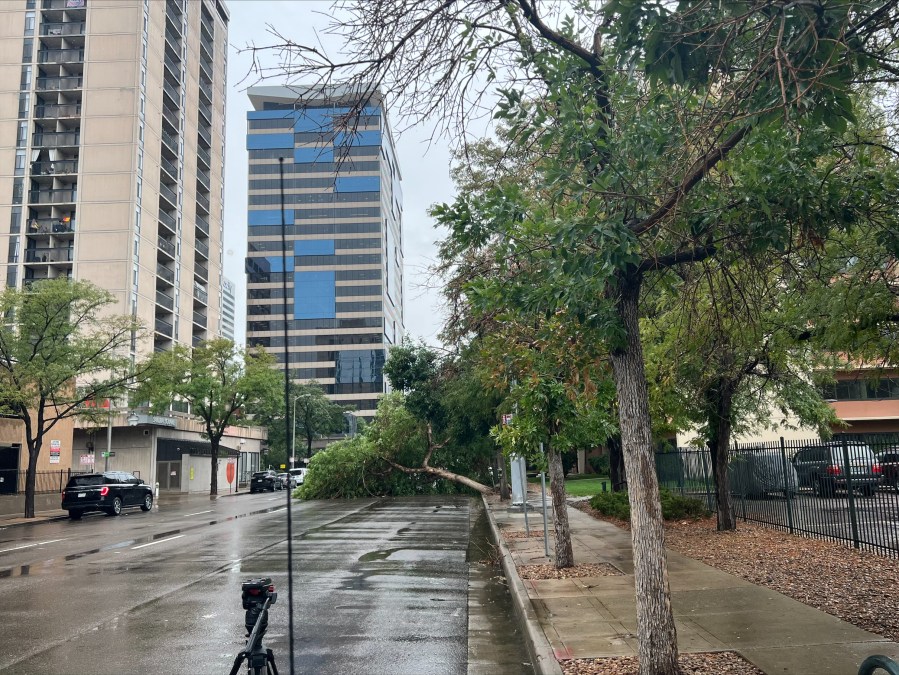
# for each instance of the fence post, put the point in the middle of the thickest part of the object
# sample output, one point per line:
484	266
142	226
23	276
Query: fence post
853	516
787	486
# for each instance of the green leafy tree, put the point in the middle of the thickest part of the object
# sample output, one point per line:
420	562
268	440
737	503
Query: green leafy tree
316	414
61	346
223	384
637	110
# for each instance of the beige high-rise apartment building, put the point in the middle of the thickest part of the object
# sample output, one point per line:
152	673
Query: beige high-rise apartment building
112	117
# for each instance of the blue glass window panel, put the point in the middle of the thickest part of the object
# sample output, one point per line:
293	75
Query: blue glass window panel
269	141
304	155
276	263
313	247
372	137
357	184
314	295
313	120
359	365
269	217
270	114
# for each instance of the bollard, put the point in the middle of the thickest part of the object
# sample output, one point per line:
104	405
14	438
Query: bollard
156	491
605	486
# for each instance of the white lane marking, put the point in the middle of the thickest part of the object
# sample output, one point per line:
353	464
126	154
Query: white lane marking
40	543
161	541
197	513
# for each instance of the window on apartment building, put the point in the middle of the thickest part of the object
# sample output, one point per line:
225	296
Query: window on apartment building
27	50
15	216
24	104
29	23
20	163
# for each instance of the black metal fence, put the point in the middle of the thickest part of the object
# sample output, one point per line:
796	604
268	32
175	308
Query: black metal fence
843	489
12	481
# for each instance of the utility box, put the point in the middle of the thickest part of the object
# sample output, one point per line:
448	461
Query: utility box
519	487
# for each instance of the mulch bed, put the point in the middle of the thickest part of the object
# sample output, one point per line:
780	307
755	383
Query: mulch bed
716	663
576	572
509	535
859	587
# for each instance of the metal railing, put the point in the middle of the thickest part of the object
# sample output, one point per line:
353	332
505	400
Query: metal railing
203	177
206	111
171	116
165	273
167	246
56	139
64	4
164	327
200	294
203	154
57	110
203	201
206	67
173	66
206	90
200	319
203	225
845	489
60	56
63	28
205	135
169	167
63	83
49	255
52	196
172	91
202	248
12	481
170	142
169	194
168	221
201	271
59	167
50	226
165	300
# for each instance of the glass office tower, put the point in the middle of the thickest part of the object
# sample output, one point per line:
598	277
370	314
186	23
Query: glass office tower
342	216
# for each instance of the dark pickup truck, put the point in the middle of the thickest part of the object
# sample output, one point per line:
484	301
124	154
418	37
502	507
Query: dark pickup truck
889	465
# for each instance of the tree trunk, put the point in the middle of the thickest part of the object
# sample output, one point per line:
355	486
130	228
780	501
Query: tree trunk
564	552
617	476
656	634
504	492
34	451
443	473
720	401
308	447
214	454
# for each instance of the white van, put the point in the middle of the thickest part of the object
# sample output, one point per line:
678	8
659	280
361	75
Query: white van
299	475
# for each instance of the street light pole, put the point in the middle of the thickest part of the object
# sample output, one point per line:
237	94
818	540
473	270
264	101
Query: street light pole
293	438
108	438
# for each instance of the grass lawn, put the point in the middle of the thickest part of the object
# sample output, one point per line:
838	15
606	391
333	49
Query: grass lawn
583	487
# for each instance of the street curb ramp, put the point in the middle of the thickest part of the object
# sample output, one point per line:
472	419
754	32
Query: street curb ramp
539	648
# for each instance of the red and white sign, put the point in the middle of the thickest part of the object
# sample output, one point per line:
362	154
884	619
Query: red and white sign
87	459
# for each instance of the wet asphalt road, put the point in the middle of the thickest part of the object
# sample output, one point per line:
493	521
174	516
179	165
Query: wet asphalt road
380	586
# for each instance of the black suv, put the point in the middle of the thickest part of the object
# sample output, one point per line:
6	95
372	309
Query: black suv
265	480
822	467
110	491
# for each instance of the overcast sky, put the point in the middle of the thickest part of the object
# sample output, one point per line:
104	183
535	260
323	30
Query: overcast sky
424	165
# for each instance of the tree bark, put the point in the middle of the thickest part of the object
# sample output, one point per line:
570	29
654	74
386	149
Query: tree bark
214	454
564	552
656	634
34	451
308	447
504	492
720	399
617	475
443	473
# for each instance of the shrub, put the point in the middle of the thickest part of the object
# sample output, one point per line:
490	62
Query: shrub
674	506
600	464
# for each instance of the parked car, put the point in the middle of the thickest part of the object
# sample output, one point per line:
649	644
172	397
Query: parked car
264	480
110	491
889	466
762	472
288	482
822	468
299	475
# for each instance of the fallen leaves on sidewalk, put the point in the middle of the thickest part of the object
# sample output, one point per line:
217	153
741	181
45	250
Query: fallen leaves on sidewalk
576	572
859	587
521	534
716	663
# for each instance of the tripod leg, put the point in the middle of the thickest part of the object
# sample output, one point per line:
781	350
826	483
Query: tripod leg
237	661
270	657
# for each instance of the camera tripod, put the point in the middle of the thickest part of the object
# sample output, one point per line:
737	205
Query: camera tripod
260	661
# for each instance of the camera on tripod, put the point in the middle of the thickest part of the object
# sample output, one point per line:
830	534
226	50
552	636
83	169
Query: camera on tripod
254	593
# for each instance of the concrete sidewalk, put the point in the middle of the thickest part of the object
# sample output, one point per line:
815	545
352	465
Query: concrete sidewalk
595	617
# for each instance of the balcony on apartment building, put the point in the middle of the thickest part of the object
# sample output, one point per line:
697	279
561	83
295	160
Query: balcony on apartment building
201	294
173	92
205	89
204	156
173	38
201	272
202	225
56	139
57	226
70	6
165	300
206	68
64	196
200	319
163	327
168	221
205	135
169	195
59	167
203	203
55	111
169	142
62	56
59	83
202	247
170	168
173	16
203	178
171	117
172	68
50	255
165	273
62	29
206	112
166	247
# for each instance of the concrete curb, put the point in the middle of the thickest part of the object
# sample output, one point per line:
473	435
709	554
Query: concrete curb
539	648
31	521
